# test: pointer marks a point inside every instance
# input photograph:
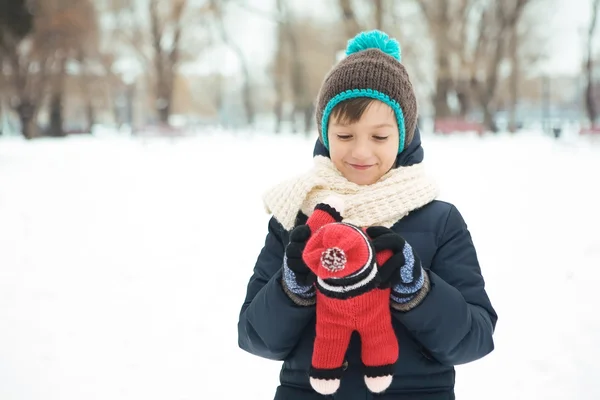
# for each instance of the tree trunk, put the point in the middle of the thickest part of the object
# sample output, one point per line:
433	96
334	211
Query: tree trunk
130	101
485	97
164	110
116	110
309	113
164	96
299	95
247	87
87	92
590	102
247	93
437	17
56	128
507	23
28	127
294	118
444	76
280	67
379	14
488	118
162	71
489	89
278	113
26	113
56	115
219	99
464	98
486	89
440	99
443	86
351	25
1	113
91	115
513	82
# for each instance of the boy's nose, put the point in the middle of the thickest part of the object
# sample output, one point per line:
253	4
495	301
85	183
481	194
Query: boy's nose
361	152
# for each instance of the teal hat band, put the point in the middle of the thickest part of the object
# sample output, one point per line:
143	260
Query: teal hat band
369	93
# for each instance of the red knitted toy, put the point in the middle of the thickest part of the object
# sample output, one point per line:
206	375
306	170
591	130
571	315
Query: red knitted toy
348	299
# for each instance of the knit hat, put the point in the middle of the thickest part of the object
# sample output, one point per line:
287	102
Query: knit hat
339	251
371	69
340	254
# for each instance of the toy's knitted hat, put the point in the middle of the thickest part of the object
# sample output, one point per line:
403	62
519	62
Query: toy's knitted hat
371	69
339	254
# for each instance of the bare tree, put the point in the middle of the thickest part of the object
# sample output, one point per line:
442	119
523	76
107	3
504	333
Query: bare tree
438	16
312	55
526	48
36	64
86	52
379	12
590	102
157	42
126	37
217	9
16	25
406	25
16	22
500	19
280	69
351	24
302	99
28	66
461	47
472	39
113	83
515	69
86	86
166	52
67	27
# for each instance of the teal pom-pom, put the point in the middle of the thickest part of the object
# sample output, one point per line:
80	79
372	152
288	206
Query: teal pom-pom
374	40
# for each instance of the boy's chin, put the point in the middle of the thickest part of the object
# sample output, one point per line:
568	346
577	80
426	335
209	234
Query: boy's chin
366	178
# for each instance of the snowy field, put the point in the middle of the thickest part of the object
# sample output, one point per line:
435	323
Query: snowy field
124	262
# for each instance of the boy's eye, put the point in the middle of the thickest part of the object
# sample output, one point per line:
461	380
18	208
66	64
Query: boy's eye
344	137
381	138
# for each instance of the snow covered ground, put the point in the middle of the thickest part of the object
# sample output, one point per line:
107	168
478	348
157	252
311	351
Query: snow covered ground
123	263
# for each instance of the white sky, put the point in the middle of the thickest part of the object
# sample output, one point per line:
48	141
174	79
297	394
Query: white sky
568	22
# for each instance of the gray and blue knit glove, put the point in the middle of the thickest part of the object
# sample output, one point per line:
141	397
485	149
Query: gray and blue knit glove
298	280
402	272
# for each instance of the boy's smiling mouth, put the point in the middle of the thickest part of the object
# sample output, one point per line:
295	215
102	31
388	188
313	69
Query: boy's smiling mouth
360	167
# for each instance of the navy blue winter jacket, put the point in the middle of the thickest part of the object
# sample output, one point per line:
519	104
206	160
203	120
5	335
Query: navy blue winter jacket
453	325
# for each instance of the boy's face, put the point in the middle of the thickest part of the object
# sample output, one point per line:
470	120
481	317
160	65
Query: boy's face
365	150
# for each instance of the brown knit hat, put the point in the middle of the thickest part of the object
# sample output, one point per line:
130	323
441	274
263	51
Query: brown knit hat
371	69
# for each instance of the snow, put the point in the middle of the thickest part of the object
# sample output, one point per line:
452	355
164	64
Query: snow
124	262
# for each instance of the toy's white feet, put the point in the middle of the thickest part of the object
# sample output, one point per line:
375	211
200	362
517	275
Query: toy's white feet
378	384
325	386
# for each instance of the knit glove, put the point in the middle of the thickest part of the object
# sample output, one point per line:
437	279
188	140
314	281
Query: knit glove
298	280
402	272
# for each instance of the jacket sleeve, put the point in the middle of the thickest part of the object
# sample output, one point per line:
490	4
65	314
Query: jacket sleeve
455	321
270	323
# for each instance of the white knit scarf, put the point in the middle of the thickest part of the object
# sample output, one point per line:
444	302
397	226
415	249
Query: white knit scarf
391	198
